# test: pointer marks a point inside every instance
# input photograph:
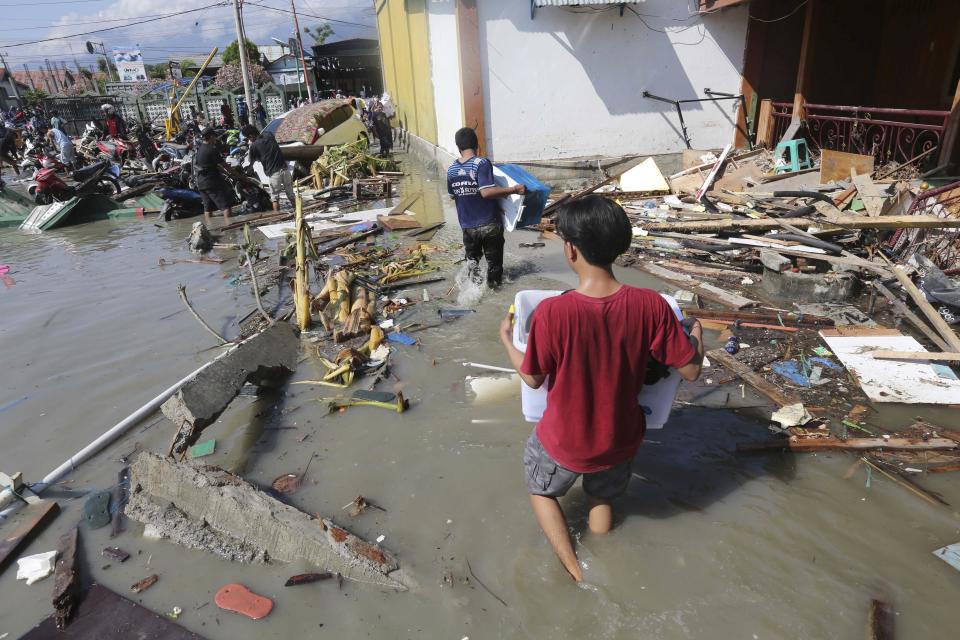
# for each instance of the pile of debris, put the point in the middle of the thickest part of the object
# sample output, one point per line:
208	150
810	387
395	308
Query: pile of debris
789	266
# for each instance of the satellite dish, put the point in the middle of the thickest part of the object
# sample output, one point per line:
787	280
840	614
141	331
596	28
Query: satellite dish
90	47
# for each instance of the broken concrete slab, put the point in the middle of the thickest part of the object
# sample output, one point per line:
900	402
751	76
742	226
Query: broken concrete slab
774	261
830	286
248	518
265	360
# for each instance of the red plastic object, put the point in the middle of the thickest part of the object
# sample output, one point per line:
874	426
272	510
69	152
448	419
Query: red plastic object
236	597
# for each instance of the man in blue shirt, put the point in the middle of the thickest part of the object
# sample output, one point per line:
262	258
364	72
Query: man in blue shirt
470	182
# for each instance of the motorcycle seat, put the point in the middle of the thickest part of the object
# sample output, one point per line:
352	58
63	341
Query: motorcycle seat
82	174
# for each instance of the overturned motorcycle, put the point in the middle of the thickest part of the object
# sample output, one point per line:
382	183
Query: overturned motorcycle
102	177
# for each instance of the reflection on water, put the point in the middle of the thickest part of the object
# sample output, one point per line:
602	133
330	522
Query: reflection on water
709	543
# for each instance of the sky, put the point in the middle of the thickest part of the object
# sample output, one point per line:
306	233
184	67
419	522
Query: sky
192	34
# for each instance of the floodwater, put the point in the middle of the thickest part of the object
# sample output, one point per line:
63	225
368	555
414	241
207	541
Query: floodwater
708	543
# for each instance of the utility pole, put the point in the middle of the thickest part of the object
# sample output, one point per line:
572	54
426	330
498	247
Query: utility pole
13	83
303	60
53	75
244	63
29	76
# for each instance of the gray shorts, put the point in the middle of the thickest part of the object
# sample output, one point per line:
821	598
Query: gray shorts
547	478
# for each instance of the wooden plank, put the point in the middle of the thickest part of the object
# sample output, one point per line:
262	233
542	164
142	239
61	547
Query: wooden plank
836	165
66	579
398	222
34	518
105	615
765	123
855	330
941	326
795	443
471	72
404	204
872	196
579	194
880	621
707	291
751	377
910	316
832	222
915	355
850	261
714	172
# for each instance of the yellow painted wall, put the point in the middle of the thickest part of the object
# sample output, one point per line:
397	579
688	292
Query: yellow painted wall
405	50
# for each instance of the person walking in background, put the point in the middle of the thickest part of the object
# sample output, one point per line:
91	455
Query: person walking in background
113	123
470	182
64	145
264	149
594	343
243	112
226	116
260	114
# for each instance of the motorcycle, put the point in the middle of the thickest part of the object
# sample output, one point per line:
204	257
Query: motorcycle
102	178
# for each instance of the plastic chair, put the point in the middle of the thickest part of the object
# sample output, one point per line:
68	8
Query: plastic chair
798	155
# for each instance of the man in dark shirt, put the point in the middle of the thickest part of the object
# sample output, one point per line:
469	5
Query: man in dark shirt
264	148
213	186
470	182
8	151
243	112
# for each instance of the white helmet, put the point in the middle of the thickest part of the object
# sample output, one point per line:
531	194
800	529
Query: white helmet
107	108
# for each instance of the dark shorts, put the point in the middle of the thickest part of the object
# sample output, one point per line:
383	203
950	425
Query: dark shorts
547	478
216	196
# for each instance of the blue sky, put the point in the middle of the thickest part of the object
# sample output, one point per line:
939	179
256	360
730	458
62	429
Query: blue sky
191	34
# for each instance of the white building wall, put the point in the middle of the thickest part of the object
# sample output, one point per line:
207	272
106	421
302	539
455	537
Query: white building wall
569	83
445	69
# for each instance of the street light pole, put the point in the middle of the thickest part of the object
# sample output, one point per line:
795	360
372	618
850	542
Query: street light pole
244	63
303	60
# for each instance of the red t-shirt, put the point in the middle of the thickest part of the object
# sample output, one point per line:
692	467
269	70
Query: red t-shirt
595	351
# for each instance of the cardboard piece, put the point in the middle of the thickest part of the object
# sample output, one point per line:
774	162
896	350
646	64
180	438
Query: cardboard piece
644	177
836	165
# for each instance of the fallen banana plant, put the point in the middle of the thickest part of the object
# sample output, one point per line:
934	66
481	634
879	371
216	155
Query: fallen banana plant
382	399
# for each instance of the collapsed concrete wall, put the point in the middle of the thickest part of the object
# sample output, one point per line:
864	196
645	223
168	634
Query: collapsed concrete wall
265	360
206	507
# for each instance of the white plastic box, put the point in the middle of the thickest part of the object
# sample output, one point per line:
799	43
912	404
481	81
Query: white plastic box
656	400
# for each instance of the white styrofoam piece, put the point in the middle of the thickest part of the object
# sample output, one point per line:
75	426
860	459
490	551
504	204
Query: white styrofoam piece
282	228
893	380
36	567
645	176
950	554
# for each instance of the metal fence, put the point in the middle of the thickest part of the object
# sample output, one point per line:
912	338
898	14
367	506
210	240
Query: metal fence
152	107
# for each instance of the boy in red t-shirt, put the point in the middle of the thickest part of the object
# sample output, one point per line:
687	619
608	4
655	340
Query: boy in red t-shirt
594	345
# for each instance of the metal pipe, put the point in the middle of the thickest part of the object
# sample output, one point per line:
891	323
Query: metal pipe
106	438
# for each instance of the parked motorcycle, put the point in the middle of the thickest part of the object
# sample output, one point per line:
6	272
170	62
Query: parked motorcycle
102	178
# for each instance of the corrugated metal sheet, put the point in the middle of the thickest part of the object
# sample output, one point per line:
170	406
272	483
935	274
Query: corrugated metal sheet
570	3
14	207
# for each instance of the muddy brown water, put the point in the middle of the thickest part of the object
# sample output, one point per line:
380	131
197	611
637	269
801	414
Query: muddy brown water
708	543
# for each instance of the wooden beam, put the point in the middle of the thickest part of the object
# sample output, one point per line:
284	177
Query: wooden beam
841	221
35	518
765	123
884	354
795	443
910	316
66	579
471	75
949	141
941	326
707	291
803	68
751	377
880	621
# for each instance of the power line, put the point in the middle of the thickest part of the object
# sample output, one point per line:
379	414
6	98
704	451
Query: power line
87	33
20	4
309	15
54	26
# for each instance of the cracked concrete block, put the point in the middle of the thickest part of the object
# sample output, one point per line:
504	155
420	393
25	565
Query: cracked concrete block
774	261
224	514
265	360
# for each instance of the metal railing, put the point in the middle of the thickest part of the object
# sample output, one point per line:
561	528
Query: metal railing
890	135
